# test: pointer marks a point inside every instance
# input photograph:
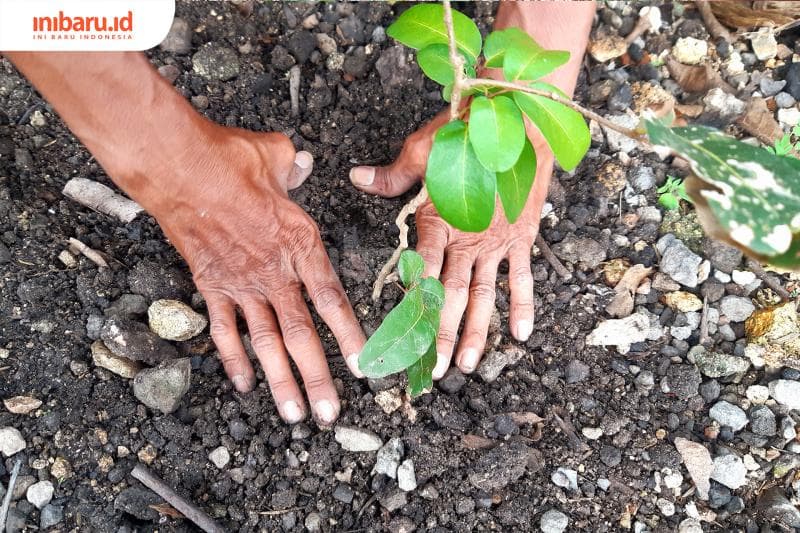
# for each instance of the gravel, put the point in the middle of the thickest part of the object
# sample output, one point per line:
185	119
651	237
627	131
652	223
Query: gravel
762	421
697	460
566	478
40	494
121	366
173	320
729	471
736	308
678	261
496	361
133	340
50	516
576	371
220	457
553	521
499	466
388	458
727	414
586	252
785	392
406	478
216	62
163	387
355	439
11	441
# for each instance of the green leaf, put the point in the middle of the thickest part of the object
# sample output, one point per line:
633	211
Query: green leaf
461	189
447	92
423	25
434	60
529	61
499	41
420	374
515	184
563	128
750	194
432	299
402	338
669	201
410	267
496	131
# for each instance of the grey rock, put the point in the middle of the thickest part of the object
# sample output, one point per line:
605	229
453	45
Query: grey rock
610	456
452	381
127	306
138	502
354	439
722	256
690	525
50	516
11	441
553	521
281	59
351	29
179	38
736	308
343	493
15	522
773	507
786	392
378	35
680	263
94	324
493	364
762	421
642	178
164	386
393	499
697	460
388	458
499	466
566	478
618	142
397	70
40	494
724	104
121	366
770	87
784	100
718	364
133	340
173	320
313	522
216	62
505	425
682	380
603	484
788	431
730	471
576	371
727	414
582	250
645	380
710	390
406	478
301	44
718	496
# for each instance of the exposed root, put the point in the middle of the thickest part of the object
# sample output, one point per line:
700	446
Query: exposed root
409	209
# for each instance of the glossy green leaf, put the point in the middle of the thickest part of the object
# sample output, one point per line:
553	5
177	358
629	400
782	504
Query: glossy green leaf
434	60
461	189
529	61
410	267
496	131
499	41
447	92
432	299
514	185
402	338
751	195
423	25
420	374
564	129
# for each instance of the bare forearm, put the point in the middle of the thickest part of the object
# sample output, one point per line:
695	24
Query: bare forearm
134	122
554	25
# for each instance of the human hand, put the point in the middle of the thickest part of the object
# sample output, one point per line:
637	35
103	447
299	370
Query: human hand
249	246
467	262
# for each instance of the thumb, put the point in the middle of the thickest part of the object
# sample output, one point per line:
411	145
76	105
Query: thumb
389	181
303	165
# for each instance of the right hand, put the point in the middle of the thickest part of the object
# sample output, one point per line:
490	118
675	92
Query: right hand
250	247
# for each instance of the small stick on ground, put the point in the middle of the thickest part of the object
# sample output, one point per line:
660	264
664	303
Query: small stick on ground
568	429
280	511
642	25
102	199
560	269
294	89
9	492
89	253
715	28
704	338
769	280
188	509
409	209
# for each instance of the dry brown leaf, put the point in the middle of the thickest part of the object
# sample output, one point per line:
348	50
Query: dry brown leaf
525	417
690	110
696	79
614	269
622	304
476	442
166	509
740	15
759	122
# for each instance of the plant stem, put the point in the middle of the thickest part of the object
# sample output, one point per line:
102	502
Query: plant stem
409	209
456	60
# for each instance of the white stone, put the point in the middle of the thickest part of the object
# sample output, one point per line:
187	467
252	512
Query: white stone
220	457
406	478
789	116
653	15
673	480
623	332
592	433
730	471
690	525
618	142
786	392
355	439
758	394
722	277
690	51
764	44
743	277
726	105
175	321
40	494
727	414
121	366
11	441
734	65
666	507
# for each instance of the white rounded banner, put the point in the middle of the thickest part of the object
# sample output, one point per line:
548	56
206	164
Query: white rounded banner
83	25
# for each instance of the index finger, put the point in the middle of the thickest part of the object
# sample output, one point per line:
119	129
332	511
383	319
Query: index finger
330	301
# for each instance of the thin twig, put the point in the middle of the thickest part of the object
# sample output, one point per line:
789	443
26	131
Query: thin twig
294	89
456	60
9	492
715	28
548	254
562	418
787	26
770	281
90	253
704	338
188	509
642	25
280	511
409	209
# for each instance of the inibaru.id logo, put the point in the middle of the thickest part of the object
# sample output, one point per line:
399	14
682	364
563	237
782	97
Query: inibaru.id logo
64	26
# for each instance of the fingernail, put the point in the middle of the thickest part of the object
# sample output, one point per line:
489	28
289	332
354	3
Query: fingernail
303	160
442	364
362	176
524	329
292	412
469	360
241	383
352	363
326	412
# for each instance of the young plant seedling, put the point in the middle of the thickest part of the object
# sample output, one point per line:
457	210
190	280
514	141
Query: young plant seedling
672	192
786	145
406	340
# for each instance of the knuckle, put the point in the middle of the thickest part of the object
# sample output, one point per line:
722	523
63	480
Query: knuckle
297	330
281	386
328	297
447	336
220	328
228	357
316	381
263	337
482	292
522	273
455	284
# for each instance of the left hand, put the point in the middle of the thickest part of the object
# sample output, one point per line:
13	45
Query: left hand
467	262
